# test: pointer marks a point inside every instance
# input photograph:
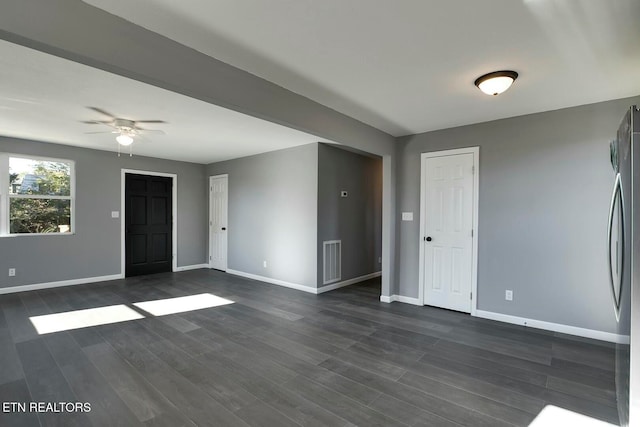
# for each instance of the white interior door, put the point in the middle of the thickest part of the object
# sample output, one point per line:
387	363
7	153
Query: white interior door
447	224
218	199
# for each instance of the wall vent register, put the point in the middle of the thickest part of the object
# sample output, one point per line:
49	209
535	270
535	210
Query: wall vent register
332	261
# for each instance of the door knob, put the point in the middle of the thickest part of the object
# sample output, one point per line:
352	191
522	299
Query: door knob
428	239
224	228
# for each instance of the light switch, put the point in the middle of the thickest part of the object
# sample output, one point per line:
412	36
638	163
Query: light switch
407	216
115	214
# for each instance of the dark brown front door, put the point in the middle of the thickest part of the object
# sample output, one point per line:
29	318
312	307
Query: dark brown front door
148	219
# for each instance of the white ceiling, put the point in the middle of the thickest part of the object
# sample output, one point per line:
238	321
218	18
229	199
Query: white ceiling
408	66
43	97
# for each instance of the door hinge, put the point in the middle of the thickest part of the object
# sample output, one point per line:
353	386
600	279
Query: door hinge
470	295
473	170
472	232
209	257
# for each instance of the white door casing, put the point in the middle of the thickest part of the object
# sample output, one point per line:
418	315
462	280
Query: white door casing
218	202
448	225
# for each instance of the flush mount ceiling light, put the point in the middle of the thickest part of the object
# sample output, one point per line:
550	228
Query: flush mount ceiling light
497	82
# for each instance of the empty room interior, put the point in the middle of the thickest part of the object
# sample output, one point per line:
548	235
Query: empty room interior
319	213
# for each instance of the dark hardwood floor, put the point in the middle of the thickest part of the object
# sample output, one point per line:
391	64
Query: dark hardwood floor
280	357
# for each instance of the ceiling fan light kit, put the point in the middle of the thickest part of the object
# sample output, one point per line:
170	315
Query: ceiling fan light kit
124	139
496	82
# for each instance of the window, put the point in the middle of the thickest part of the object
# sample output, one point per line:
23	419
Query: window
39	199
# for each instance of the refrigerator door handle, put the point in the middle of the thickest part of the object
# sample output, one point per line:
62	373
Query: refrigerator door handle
617	194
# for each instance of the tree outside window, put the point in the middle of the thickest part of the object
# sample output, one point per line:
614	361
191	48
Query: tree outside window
40	196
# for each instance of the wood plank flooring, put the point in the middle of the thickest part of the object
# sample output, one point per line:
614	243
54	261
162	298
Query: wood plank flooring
280	357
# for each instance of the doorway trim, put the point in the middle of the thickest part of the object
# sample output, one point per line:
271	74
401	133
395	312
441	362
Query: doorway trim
211	178
474	239
174	214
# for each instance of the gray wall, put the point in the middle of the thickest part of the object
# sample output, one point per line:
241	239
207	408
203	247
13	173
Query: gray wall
355	220
273	213
545	183
94	250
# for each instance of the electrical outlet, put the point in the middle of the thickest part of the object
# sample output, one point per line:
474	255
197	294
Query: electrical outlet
508	295
12	272
264	264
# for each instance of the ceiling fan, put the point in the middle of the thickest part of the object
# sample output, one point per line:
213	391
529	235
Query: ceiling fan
125	128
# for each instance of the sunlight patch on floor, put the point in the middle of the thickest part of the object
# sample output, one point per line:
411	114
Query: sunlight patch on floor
162	307
57	322
49	323
552	416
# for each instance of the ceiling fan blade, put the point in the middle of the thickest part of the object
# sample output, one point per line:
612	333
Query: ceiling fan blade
101	111
96	122
106	131
158	131
150	121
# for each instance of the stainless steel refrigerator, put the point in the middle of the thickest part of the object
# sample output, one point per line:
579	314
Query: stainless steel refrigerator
624	266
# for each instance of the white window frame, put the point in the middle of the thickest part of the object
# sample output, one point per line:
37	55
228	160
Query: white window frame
5	196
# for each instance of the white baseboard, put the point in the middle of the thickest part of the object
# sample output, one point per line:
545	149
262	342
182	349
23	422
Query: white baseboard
191	267
408	300
297	286
348	282
305	288
555	327
532	323
399	298
48	285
